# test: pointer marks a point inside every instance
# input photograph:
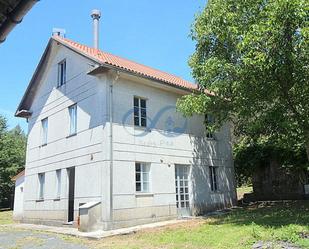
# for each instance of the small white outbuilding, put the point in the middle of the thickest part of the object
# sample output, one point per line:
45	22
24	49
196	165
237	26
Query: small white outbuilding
19	195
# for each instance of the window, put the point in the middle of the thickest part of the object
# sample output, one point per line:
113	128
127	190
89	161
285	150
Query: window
44	124
142	177
41	185
140	115
73	119
209	120
61	73
58	183
213	178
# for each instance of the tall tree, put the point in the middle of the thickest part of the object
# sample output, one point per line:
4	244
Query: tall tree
254	56
12	159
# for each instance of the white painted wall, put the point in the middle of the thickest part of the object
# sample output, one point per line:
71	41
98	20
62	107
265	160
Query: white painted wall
163	149
82	151
19	198
88	151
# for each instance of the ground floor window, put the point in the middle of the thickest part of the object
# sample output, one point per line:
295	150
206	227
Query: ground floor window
142	177
213	178
41	185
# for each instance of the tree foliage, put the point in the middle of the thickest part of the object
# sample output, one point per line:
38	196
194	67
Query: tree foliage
250	155
254	56
12	159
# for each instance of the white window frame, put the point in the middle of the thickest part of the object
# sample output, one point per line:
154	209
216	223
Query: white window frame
144	170
73	119
140	110
213	176
62	69
44	136
58	183
41	180
209	120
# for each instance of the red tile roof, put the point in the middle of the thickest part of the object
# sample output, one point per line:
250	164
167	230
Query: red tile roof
22	173
128	65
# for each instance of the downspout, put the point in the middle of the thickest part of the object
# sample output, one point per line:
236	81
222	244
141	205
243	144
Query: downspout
111	154
15	17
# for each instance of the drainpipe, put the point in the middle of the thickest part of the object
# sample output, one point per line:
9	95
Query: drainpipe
15	17
111	156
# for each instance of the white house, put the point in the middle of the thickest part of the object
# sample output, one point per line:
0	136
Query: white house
104	132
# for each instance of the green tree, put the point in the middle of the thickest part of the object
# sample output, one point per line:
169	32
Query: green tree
253	55
12	159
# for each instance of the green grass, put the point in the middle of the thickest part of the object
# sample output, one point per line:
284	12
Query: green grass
6	217
241	228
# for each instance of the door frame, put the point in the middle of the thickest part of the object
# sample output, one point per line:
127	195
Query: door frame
183	189
71	193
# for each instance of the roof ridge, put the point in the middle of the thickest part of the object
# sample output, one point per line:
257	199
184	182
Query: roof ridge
128	64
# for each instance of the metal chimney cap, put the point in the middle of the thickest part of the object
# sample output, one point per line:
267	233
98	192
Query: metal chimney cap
95	14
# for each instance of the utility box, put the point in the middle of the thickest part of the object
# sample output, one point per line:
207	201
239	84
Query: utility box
90	217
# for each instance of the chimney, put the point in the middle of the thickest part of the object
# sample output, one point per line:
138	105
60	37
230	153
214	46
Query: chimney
96	14
59	32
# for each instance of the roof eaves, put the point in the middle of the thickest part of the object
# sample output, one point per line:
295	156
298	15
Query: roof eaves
29	88
137	74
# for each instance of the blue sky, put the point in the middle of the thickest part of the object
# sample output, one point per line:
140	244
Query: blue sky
155	33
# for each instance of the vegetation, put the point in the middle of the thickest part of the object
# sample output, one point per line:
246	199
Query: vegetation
253	56
241	228
12	159
250	155
6	217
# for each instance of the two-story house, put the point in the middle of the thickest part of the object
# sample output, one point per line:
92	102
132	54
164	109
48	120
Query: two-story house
103	129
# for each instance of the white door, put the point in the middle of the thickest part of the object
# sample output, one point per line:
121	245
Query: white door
182	189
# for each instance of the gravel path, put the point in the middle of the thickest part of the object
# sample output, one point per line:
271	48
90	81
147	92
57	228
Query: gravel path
32	240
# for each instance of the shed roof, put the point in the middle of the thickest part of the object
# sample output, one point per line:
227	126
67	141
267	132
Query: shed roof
20	174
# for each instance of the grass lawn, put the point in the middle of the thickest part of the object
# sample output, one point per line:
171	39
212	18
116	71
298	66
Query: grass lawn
241	228
6	217
238	229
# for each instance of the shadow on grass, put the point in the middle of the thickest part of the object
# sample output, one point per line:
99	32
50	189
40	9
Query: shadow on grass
269	214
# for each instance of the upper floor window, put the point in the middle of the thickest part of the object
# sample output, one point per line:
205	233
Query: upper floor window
44	124
213	178
142	179
61	73
73	119
140	114
58	183
209	121
41	177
